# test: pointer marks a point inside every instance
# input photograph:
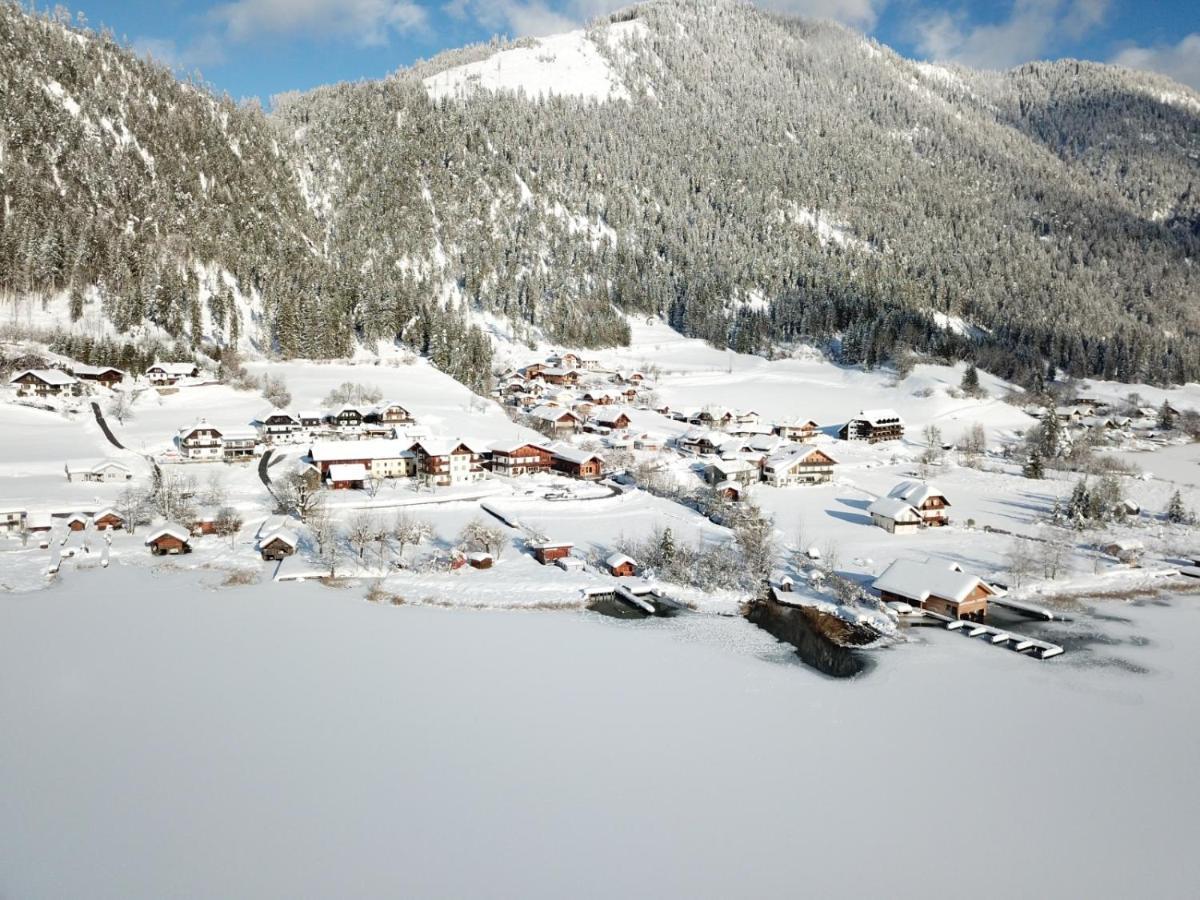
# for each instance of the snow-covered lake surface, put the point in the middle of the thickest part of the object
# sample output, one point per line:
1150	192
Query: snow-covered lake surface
168	738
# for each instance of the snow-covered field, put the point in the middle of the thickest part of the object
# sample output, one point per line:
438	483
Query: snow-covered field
166	738
191	727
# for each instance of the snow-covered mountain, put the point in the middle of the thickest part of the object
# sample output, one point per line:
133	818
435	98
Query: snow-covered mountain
755	179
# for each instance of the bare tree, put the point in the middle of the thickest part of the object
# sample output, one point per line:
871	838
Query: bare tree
478	535
275	391
228	523
120	405
1020	560
406	531
329	549
361	532
171	494
299	493
133	507
973	444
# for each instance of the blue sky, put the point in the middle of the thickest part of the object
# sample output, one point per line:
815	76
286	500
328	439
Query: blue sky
262	47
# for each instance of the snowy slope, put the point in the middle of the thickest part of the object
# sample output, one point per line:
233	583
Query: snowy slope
562	65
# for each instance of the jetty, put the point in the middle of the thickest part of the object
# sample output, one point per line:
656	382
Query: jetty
1002	637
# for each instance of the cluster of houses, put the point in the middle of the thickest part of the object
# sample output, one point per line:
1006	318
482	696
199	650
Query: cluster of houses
73	379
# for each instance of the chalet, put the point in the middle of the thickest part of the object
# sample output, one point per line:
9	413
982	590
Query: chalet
894	515
447	463
382	457
1127	551
45	383
108	519
519	459
560	376
532	371
935	585
278	545
204	521
556	418
105	376
171	373
103	470
873	426
801	466
612	418
576	463
703	441
634	377
733	491
925	499
741	471
796	430
347	476
311	420
565	361
480	560
170	539
600	398
713	417
76	522
390	414
13	520
348	419
546	552
620	566
278	425
237	446
201	442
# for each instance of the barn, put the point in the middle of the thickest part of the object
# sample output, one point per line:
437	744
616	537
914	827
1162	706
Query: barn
170	539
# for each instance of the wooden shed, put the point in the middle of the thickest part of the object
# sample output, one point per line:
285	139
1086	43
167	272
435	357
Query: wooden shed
170	540
621	565
480	560
547	552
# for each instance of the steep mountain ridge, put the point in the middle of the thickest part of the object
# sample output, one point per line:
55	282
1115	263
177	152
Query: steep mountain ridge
752	178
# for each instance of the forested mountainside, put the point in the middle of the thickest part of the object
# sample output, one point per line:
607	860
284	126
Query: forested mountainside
755	179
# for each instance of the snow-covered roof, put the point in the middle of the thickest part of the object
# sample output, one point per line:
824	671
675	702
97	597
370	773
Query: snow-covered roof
56	377
240	434
609	414
878	416
83	370
375	448
348	472
921	580
550	413
789	458
550	545
106	511
174	368
443	446
94	466
916	492
286	535
619	559
574	454
894	508
200	424
732	466
479	556
511	446
169	530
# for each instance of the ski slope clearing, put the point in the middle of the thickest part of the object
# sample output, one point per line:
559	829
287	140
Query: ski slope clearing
167	738
562	65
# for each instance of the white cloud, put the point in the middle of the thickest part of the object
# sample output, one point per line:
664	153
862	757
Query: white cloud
206	50
369	22
1180	61
1031	29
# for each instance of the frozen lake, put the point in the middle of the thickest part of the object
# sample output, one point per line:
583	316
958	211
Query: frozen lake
163	738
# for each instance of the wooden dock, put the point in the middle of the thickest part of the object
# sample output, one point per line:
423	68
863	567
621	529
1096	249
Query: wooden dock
1001	637
1028	610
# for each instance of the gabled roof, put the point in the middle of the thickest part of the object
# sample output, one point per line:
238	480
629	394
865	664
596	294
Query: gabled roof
107	511
174	368
729	466
932	578
442	446
169	530
80	370
376	448
878	416
348	472
619	559
286	535
916	492
894	508
789	458
574	454
514	446
55	377
202	425
550	413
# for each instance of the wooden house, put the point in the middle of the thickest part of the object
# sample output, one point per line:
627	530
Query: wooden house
557	419
278	425
390	414
165	374
201	442
445	463
1128	551
382	457
347	476
796	430
45	383
519	459
612	418
732	491
278	545
203	521
560	376
576	463
873	426
105	376
801	466
108	519
740	471
169	539
894	515
930	502
480	560
76	522
348	418
547	552
620	566
936	585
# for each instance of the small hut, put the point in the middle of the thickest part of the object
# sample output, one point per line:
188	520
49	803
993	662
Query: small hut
480	560
620	565
170	540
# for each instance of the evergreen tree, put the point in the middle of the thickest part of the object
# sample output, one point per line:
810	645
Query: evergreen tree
970	382
1177	513
1166	416
1033	465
